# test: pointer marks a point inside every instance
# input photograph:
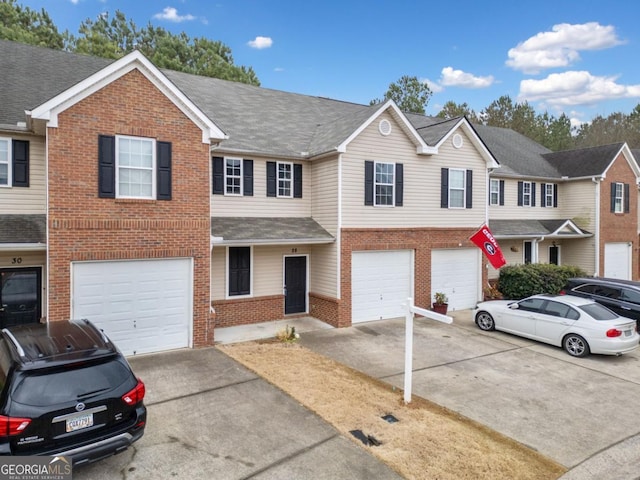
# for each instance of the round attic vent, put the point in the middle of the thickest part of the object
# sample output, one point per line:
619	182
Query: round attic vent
384	127
457	140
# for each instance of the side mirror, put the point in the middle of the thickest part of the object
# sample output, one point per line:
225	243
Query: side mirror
514	306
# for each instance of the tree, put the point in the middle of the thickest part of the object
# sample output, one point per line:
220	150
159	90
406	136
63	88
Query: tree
21	24
499	113
410	94
453	110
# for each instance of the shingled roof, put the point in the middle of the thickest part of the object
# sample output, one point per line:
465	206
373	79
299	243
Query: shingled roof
266	230
584	162
23	229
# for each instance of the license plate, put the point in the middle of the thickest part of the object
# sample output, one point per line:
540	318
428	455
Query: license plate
79	422
628	333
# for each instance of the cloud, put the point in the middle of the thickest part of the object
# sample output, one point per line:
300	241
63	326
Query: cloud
434	86
458	78
170	14
75	2
561	46
278	69
575	88
260	43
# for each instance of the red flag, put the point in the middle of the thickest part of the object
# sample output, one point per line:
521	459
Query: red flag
485	242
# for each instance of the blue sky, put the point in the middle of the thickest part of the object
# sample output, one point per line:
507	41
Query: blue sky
577	57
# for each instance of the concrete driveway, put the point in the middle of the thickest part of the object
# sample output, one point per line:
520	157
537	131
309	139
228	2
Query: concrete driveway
583	413
209	417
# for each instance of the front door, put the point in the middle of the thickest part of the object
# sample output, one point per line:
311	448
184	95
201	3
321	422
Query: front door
295	285
20	296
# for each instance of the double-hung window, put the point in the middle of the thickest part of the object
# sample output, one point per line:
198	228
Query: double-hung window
384	182
233	176
457	188
5	162
135	161
285	180
494	192
548	194
619	198
526	194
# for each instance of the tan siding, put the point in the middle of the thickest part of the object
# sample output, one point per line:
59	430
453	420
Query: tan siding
510	210
580	253
324	176
218	272
421	182
579	203
32	199
259	205
324	270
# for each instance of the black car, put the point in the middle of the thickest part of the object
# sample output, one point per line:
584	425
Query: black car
67	390
621	296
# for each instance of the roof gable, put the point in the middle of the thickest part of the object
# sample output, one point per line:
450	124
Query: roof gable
50	109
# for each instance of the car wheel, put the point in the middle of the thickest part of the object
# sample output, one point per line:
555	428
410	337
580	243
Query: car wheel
485	321
575	345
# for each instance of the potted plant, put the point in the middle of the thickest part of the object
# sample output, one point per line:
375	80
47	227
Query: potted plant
440	303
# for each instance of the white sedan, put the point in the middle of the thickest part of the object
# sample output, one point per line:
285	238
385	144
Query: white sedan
579	325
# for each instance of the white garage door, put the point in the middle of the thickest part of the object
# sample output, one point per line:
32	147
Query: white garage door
381	282
142	305
617	260
456	272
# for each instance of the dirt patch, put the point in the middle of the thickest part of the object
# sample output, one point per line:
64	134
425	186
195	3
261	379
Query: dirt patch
427	442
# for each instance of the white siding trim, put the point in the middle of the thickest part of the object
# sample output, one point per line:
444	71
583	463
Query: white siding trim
339	232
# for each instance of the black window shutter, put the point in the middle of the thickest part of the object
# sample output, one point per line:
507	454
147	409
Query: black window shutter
399	184
368	182
106	166
20	163
444	188
239	270
218	175
520	193
501	192
297	180
271	179
613	197
543	195
555	195
469	186
164	170
533	194
247	178
626	198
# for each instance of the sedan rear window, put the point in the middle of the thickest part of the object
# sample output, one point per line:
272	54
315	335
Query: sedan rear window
70	384
598	312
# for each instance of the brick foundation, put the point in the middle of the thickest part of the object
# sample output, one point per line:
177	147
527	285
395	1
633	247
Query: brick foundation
246	311
325	308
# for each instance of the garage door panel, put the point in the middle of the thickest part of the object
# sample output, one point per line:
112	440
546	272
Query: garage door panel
381	283
617	260
456	273
143	305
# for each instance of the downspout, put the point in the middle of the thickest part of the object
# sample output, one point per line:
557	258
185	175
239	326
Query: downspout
596	269
47	255
339	232
534	249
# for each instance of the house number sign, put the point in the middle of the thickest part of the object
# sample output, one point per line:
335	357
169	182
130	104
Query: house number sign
16	260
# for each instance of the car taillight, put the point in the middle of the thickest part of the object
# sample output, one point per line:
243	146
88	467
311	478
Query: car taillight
136	395
562	292
613	332
10	426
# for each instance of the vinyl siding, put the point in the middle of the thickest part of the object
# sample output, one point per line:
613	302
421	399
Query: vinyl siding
31	199
267	269
510	210
579	203
324	270
259	205
421	181
324	178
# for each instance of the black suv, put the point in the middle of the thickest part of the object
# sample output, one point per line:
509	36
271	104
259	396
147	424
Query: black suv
67	390
621	296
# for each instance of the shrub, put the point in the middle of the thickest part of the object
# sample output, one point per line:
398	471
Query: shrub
520	281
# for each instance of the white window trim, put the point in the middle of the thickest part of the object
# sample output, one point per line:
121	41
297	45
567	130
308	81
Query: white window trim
548	194
464	189
525	195
153	167
226	276
392	184
9	162
619	201
233	176
278	180
492	182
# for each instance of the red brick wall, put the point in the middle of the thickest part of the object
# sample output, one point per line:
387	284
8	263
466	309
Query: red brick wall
85	227
619	227
421	240
245	311
325	308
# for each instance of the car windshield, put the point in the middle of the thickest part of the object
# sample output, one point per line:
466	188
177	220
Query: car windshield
598	312
75	384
